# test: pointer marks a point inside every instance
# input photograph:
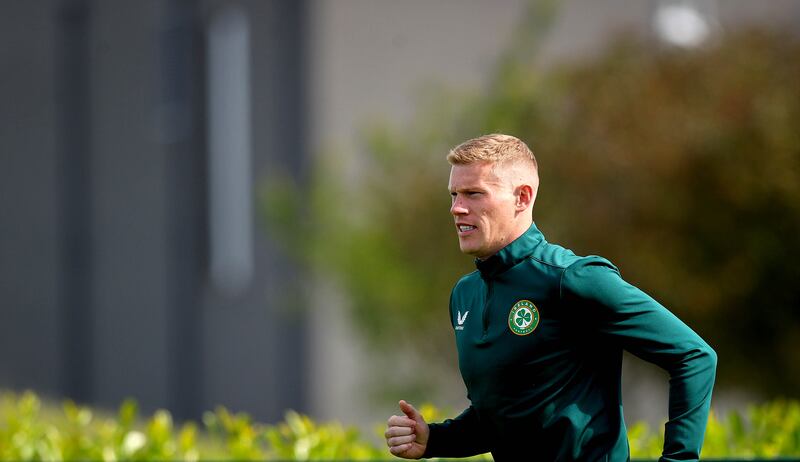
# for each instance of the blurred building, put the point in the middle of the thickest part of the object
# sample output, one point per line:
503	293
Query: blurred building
133	137
131	260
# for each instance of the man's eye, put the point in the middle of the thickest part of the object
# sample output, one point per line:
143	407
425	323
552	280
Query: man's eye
465	193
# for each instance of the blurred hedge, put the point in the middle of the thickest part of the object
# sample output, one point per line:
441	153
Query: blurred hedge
31	431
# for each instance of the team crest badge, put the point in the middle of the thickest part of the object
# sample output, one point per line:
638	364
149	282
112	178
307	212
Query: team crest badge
523	318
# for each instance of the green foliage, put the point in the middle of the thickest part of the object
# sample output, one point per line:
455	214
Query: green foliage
765	431
683	167
31	431
77	433
685	170
300	438
237	434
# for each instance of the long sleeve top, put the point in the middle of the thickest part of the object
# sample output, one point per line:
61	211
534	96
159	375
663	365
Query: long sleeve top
540	334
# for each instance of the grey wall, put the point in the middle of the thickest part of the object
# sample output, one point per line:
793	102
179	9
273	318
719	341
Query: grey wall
104	289
29	247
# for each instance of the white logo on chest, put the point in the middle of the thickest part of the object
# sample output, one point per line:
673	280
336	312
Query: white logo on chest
461	320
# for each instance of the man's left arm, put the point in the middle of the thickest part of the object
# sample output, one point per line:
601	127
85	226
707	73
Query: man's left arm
648	330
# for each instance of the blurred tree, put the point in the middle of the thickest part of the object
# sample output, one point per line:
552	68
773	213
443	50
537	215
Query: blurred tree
681	167
685	169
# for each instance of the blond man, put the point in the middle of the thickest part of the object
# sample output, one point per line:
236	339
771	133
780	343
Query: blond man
540	334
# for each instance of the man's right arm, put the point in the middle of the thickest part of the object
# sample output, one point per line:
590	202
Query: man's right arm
459	437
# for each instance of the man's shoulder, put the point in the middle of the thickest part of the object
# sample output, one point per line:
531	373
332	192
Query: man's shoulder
554	256
468	280
560	263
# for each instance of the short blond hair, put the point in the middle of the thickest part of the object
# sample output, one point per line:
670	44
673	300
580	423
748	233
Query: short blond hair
496	148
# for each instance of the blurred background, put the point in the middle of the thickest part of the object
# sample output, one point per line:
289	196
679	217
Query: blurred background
243	203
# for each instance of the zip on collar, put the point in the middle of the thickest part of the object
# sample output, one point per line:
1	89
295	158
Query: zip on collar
510	255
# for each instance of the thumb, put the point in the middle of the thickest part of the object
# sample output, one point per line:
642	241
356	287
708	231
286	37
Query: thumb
410	411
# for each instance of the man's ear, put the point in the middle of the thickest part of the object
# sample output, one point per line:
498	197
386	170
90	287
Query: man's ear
524	197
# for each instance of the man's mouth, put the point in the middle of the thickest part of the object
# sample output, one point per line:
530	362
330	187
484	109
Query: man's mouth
465	228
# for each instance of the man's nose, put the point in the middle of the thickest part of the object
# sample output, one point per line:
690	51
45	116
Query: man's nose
457	208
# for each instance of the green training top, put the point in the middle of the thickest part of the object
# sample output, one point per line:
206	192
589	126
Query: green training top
540	333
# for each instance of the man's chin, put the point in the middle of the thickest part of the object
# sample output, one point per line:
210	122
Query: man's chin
471	251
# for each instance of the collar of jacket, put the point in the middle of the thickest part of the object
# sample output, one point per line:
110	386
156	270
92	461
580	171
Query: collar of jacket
520	249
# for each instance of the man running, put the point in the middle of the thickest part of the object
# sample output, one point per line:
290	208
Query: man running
540	334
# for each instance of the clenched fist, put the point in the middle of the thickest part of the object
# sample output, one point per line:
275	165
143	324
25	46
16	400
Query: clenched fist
407	435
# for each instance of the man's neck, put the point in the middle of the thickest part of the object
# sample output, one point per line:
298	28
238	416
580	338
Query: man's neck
513	237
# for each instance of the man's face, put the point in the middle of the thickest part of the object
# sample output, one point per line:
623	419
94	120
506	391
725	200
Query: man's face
483	205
